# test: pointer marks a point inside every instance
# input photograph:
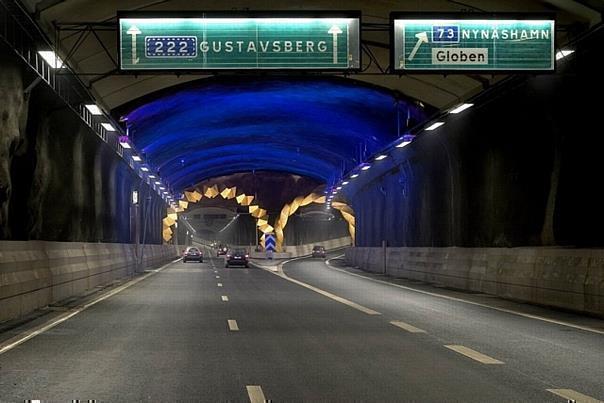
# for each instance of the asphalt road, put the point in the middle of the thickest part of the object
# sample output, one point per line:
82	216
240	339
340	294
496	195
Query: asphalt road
169	338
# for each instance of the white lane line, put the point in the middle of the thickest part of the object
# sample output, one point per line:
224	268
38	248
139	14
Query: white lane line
573	396
215	271
320	291
30	334
465	301
406	326
219	284
233	325
225	298
217	276
473	354
255	393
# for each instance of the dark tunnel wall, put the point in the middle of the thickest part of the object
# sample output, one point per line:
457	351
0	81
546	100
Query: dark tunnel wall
522	168
58	180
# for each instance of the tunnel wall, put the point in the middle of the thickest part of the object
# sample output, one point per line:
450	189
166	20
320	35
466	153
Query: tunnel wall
520	168
58	180
34	274
571	279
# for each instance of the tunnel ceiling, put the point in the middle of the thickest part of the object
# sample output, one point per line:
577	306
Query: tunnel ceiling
93	56
313	127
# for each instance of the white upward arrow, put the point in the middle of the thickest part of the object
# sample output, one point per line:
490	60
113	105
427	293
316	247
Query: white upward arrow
134	31
422	37
335	31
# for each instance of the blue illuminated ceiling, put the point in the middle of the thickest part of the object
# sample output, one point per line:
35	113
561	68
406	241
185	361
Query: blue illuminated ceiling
315	127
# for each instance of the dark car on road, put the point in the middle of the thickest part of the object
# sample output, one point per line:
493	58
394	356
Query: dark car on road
237	257
318	251
192	254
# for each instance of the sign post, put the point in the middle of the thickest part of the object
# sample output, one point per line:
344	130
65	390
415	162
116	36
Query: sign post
210	41
466	43
270	245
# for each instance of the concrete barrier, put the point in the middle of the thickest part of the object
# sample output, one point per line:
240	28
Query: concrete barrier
571	279
34	274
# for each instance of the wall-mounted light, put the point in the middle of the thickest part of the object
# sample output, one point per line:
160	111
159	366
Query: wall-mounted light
93	109
345	183
353	176
136	158
381	157
366	167
144	169
435	126
135	197
339	187
52	59
460	108
108	126
124	142
563	53
151	176
157	182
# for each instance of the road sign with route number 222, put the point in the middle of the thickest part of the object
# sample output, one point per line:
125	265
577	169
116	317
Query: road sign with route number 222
217	43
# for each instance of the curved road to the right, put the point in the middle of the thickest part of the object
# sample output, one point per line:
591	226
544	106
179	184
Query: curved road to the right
533	359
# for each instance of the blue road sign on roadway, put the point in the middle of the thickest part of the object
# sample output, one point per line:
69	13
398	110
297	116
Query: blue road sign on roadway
270	242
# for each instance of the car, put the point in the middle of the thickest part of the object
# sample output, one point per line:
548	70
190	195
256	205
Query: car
318	251
192	253
222	250
237	257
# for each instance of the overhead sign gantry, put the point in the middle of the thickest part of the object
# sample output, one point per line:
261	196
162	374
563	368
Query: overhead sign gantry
437	42
219	41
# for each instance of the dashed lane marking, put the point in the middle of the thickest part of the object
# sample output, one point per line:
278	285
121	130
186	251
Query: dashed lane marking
217	276
233	327
473	354
219	284
407	327
225	298
573	396
255	394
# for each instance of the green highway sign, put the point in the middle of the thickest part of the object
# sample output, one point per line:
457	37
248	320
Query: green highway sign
222	43
473	44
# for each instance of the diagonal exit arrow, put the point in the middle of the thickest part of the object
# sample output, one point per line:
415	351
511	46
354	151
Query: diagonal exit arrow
422	37
335	31
133	31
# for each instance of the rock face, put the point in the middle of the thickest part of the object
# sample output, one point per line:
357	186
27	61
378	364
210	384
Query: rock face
521	168
58	180
13	112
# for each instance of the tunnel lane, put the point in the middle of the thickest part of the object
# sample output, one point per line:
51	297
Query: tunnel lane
171	337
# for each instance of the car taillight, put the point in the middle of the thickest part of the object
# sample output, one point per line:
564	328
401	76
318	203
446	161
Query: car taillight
247	256
228	256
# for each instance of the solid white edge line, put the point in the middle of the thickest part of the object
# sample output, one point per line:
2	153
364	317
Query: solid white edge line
510	311
30	334
255	394
573	396
327	294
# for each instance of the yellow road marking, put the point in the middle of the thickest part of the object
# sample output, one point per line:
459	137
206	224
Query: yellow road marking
219	284
574	396
233	325
225	298
407	327
255	393
473	354
30	334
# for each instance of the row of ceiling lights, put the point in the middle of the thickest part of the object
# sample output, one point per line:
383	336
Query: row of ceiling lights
55	62
408	138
